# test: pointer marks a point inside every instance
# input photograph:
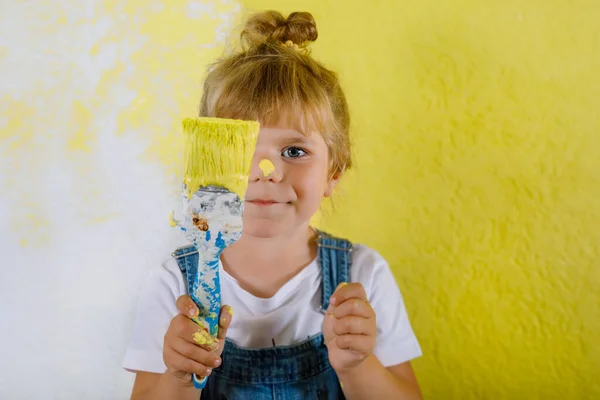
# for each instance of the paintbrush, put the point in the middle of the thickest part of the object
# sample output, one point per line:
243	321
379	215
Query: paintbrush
217	159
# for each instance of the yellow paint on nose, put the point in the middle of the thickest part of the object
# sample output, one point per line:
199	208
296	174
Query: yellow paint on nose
266	166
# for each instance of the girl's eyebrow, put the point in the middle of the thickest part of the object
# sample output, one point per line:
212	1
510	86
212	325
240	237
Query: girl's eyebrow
299	139
289	136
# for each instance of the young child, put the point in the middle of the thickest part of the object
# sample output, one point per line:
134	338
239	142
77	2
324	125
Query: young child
315	316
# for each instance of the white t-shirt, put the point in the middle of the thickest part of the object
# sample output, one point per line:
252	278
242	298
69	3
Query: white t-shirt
290	316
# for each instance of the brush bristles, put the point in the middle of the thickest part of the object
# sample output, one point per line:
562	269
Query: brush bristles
218	152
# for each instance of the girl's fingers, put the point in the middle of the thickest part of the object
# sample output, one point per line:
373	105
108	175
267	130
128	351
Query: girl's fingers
185	306
192	332
195	353
205	340
225	317
353	325
178	362
355	307
346	291
359	343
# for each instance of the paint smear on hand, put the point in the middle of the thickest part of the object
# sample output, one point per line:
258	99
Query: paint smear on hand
203	338
229	311
266	166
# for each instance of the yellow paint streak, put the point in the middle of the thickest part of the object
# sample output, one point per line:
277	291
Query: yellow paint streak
35	221
3	51
96	48
80	139
175	62
109	77
211	315
266	166
102	218
172	221
18	126
62	20
218	152
31	227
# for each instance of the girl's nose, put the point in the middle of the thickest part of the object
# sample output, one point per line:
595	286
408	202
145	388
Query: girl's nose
265	170
266	166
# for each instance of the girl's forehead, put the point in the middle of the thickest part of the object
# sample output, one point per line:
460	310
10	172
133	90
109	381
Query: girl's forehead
288	134
281	131
288	123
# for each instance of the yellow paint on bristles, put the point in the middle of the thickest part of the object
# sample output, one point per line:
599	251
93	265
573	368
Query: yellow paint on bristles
218	152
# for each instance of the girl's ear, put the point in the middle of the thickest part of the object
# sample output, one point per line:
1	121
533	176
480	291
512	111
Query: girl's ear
331	184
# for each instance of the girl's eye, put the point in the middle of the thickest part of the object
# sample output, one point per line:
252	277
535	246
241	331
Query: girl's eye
293	152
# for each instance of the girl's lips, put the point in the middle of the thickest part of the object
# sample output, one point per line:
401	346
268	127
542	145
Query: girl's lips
263	202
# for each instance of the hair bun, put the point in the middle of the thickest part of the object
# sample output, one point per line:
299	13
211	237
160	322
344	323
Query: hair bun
271	26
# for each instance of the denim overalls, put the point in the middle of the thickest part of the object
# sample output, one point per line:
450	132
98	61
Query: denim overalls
300	371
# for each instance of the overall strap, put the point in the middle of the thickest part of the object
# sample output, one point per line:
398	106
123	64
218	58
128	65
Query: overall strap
187	260
334	258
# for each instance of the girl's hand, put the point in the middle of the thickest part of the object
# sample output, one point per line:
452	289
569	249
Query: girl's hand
349	327
189	348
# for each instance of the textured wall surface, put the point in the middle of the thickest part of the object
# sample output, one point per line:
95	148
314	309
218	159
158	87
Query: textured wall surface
92	97
477	139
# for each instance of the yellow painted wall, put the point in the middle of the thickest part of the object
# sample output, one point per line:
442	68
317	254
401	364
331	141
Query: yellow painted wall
477	138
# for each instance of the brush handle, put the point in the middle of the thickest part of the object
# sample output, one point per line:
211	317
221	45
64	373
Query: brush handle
213	221
206	294
199	382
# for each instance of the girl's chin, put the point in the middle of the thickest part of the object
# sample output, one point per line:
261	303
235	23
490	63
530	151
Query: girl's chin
263	228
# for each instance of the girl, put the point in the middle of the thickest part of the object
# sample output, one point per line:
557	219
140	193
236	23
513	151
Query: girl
299	331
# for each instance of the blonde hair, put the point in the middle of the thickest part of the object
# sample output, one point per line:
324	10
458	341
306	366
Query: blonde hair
268	80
